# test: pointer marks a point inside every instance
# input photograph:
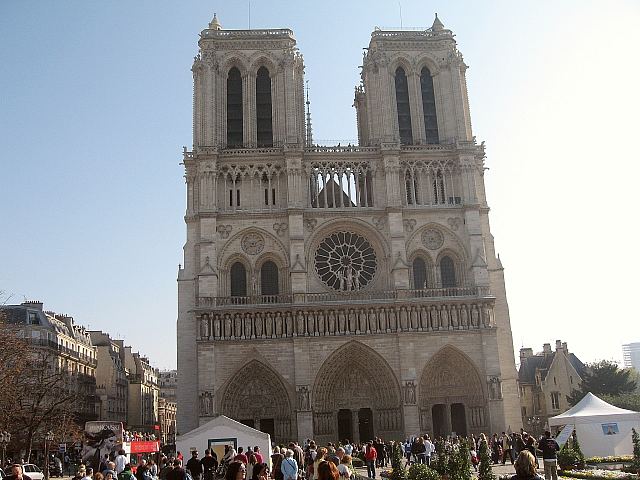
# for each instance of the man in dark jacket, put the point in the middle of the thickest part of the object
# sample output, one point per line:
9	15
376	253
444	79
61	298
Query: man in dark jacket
178	473
17	473
194	466
549	449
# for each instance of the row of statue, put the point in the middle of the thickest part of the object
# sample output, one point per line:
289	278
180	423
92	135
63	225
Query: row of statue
353	321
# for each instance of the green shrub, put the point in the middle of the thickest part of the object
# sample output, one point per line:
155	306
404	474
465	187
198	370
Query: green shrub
398	472
460	463
484	469
419	471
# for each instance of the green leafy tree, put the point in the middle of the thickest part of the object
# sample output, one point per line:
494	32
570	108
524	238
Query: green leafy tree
635	438
441	464
485	472
419	471
630	401
460	463
398	471
604	378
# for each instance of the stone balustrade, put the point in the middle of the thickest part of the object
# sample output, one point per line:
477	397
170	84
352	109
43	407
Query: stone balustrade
308	320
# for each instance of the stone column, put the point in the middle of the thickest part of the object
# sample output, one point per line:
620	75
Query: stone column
356	427
417	115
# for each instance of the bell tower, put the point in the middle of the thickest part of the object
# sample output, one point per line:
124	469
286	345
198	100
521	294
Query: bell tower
413	89
248	89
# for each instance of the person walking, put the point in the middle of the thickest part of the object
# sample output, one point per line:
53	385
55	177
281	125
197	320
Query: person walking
549	449
288	466
194	466
525	466
370	456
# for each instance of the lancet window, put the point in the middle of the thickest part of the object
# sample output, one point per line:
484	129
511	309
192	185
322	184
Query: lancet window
269	279
238	280
263	108
234	108
429	106
404	110
430	183
447	272
419	274
340	185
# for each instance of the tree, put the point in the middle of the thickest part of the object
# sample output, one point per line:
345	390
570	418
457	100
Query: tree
603	378
635	438
629	401
14	366
398	472
484	469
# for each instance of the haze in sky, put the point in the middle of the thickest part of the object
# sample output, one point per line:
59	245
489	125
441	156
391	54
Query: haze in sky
95	106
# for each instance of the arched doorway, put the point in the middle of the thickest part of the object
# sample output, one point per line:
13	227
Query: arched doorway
451	395
366	393
256	396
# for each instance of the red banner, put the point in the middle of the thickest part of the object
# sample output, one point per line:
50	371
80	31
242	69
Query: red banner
145	446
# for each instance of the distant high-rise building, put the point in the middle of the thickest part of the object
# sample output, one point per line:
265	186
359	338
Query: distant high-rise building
631	355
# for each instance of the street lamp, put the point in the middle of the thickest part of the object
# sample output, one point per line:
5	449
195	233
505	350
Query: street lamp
48	438
5	438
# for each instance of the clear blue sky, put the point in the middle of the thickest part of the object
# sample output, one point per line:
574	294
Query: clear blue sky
95	105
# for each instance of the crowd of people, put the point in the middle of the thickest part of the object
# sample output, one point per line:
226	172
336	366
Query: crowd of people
129	436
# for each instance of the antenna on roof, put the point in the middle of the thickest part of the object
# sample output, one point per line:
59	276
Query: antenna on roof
400	6
309	130
249	1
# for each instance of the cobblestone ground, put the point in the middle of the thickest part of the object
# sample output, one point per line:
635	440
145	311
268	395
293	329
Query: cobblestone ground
499	470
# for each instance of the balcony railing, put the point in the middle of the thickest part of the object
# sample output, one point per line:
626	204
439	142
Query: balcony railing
41	342
338	297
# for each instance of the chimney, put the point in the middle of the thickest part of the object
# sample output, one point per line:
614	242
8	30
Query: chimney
546	348
564	347
33	304
526	352
558	345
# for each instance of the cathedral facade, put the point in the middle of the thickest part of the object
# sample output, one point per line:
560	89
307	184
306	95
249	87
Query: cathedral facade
345	291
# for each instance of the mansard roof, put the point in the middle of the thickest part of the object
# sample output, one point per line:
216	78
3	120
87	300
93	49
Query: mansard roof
541	362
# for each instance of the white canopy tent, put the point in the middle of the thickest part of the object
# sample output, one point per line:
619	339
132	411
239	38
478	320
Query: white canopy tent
602	429
223	431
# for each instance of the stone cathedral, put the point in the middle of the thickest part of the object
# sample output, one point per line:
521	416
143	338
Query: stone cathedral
345	291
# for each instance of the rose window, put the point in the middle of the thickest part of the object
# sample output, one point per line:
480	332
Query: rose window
345	261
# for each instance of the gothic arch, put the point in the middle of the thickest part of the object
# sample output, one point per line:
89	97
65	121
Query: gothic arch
428	264
451	242
402	62
451	378
257	393
233	245
234	59
367	383
263	59
429	62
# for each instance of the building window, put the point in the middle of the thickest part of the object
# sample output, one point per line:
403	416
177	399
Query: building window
447	272
269	279
419	274
238	280
429	106
234	108
555	400
438	188
524	412
404	110
263	108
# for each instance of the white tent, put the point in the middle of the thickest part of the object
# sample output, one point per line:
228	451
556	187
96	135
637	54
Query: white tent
602	429
223	431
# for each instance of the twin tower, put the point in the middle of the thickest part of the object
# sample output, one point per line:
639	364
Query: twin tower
344	291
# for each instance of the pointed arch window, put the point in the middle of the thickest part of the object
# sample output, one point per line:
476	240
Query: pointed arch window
238	280
404	110
429	106
419	274
234	108
269	279
264	121
447	272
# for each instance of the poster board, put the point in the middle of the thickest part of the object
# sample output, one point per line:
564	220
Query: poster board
217	445
564	435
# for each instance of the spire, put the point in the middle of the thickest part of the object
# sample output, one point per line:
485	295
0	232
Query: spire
309	142
437	24
215	24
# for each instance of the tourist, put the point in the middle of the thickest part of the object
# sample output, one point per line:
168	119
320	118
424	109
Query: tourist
276	462
126	474
525	466
241	457
121	461
320	457
507	447
289	467
236	471
531	447
327	471
209	464
250	464
258	455
370	456
345	468
17	473
332	456
348	448
309	459
549	449
430	448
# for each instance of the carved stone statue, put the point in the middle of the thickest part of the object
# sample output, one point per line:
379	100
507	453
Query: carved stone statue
304	403
410	392
206	404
